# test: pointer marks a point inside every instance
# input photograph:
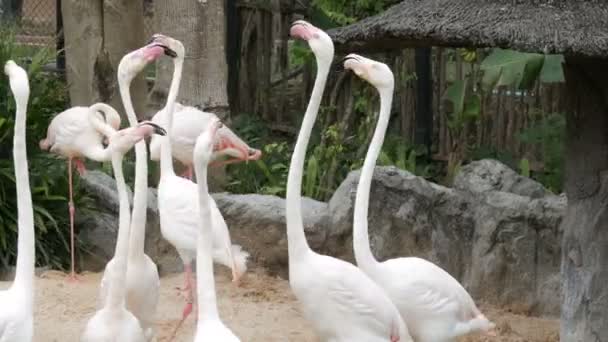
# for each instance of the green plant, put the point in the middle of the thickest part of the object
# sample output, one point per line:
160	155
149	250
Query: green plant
48	177
549	134
396	151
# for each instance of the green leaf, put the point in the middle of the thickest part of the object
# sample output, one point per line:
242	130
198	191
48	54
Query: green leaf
552	71
509	67
472	107
455	94
524	167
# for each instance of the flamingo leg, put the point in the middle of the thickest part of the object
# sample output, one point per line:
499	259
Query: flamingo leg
189	288
80	166
72	211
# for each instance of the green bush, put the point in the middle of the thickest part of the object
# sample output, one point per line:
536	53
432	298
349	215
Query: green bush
48	175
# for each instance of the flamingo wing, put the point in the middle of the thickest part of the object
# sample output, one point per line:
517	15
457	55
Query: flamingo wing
356	296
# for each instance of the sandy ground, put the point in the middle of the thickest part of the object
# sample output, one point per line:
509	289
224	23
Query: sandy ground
262	309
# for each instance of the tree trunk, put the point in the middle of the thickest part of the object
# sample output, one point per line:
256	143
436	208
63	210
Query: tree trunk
584	316
120	17
95	41
83	34
201	26
214	78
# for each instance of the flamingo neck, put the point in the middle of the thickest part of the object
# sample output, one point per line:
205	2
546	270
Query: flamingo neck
110	115
166	159
26	248
137	238
296	239
117	289
97	151
363	253
205	287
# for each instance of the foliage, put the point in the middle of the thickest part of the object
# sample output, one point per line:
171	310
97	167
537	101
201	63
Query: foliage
48	177
331	13
509	67
396	151
549	134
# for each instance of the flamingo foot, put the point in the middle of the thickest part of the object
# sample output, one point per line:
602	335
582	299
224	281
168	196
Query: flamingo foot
492	333
73	278
80	167
236	279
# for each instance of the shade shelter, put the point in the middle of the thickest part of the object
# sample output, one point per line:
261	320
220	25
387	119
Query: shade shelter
578	29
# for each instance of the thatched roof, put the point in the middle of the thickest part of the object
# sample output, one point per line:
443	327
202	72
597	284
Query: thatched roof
572	27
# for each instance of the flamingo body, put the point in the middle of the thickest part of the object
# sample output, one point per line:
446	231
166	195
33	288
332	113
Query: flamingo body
142	281
214	330
17	302
435	307
113	325
71	133
179	215
141	296
16	318
342	303
209	326
113	322
187	124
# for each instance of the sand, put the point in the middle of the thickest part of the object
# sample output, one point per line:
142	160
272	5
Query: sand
262	309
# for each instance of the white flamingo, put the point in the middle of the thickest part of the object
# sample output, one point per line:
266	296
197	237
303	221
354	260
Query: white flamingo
113	322
188	123
342	303
209	326
72	135
178	198
434	305
142	283
17	303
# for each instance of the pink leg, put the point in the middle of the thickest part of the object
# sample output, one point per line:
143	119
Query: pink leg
189	298
80	166
72	210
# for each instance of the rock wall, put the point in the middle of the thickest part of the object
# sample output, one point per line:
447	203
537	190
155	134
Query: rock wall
495	231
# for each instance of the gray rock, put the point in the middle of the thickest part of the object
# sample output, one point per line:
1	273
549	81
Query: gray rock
504	248
496	232
490	174
257	222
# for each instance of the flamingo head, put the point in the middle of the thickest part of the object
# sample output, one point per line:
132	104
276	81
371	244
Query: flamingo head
230	144
207	142
377	74
320	43
171	46
135	61
18	80
124	140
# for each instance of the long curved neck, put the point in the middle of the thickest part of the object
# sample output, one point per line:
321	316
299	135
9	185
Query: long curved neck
137	238
363	253
166	159
296	238
26	247
205	287
110	115
117	292
97	151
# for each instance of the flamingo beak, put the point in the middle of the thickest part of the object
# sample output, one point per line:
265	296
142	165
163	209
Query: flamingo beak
156	129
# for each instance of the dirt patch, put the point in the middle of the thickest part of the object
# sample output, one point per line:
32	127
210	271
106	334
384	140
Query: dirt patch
262	309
